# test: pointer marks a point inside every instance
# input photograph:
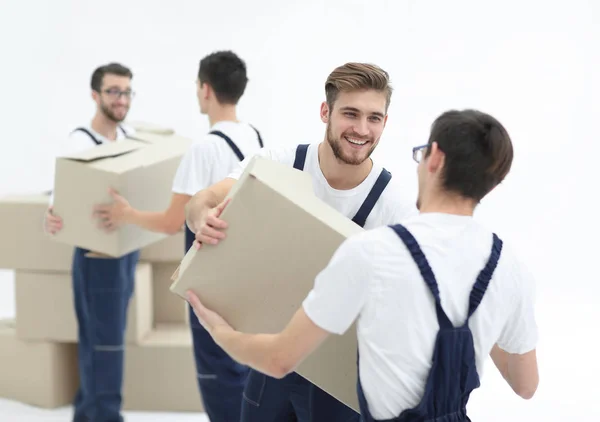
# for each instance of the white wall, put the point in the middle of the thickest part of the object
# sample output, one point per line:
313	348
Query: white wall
533	65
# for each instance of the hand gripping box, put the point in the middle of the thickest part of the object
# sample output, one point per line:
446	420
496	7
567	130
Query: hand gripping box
141	168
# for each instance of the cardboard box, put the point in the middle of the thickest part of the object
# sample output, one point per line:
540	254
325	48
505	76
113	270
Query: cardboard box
46	311
168	308
140	169
24	245
160	373
280	237
36	373
170	249
140	126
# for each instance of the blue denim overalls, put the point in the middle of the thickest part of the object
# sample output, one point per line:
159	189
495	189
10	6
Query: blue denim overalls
221	380
102	289
453	374
293	397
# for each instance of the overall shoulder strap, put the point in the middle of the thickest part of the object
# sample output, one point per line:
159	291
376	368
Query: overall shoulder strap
260	141
301	151
365	209
124	131
484	277
231	144
84	130
417	255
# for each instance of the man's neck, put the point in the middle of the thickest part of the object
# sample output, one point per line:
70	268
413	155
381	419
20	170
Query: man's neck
105	127
340	175
221	113
448	204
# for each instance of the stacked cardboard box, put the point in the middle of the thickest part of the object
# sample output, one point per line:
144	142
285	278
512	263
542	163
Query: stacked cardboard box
41	344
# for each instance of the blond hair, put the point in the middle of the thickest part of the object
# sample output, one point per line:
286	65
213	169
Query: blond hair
357	77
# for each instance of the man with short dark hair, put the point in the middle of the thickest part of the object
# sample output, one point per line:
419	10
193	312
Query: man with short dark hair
432	296
102	286
221	82
357	98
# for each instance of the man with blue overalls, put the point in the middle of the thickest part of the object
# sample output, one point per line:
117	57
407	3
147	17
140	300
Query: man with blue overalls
432	296
345	177
221	83
102	286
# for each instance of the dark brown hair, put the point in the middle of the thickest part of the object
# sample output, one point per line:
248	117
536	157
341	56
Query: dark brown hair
112	69
355	77
478	151
225	72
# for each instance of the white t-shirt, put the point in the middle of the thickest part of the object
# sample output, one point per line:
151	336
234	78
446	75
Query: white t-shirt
79	141
210	160
391	207
373	277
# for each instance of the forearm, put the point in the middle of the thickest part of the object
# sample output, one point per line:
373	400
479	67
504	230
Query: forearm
152	221
259	351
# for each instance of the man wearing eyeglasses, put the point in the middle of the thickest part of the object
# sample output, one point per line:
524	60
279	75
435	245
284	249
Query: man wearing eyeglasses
102	287
432	296
112	93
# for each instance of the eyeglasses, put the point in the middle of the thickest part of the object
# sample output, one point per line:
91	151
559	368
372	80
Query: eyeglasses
115	94
418	152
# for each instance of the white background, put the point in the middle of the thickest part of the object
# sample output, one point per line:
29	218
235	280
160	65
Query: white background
534	65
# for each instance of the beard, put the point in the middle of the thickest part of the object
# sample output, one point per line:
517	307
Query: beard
336	146
111	115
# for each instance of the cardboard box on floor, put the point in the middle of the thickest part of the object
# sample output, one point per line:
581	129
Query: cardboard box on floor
170	249
140	168
45	310
160	373
280	236
168	308
23	244
39	374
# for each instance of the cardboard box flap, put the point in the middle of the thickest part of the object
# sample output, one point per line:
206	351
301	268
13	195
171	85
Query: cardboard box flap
100	152
140	126
157	152
295	186
154	138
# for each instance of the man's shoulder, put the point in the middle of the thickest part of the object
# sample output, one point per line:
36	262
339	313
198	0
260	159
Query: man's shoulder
511	264
373	244
80	138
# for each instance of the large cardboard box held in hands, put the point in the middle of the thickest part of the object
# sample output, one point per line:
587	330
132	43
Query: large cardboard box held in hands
280	236
140	169
160	373
39	374
23	244
45	309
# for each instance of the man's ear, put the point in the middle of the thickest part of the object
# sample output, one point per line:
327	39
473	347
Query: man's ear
325	112
435	159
